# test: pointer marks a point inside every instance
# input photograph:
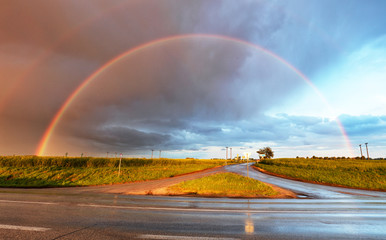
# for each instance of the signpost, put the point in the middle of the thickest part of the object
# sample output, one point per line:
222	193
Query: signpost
120	161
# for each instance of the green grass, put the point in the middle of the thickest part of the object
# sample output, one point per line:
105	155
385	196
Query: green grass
33	171
356	173
225	184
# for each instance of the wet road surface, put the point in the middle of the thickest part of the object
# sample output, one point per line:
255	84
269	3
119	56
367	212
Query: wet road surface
66	214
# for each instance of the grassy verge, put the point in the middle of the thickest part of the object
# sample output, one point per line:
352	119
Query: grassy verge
32	171
355	173
225	184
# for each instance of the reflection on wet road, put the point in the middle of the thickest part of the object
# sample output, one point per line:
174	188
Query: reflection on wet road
105	216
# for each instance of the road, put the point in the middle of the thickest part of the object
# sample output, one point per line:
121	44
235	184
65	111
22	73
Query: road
76	214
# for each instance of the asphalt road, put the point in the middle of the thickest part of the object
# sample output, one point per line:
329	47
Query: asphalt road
67	214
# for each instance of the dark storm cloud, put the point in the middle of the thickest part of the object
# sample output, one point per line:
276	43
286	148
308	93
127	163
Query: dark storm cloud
248	20
287	129
123	138
189	95
99	30
173	94
202	82
195	91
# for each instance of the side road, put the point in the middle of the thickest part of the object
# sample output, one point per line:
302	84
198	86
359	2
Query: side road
304	189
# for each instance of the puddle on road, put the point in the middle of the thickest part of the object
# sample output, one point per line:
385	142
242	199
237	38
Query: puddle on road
303	196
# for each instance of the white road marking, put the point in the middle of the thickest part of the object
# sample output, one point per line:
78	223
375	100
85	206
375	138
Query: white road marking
148	236
24	228
28	202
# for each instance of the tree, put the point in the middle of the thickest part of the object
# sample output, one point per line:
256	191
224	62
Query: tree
267	151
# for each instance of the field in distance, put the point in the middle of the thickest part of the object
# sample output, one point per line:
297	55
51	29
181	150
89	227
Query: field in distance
355	173
33	171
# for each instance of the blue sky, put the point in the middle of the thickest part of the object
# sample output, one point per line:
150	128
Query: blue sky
194	96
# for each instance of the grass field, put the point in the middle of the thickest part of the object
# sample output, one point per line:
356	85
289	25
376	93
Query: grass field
356	173
33	171
225	184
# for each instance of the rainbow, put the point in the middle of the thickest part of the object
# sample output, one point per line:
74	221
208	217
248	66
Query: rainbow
54	122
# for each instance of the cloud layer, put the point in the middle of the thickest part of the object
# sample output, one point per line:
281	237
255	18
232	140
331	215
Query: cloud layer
191	94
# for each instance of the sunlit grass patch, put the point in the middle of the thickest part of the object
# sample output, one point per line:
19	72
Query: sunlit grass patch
356	173
225	184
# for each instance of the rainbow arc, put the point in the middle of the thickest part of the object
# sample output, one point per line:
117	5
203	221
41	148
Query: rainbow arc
56	119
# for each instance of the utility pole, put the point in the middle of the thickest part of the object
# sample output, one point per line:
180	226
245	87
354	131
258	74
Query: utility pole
360	146
367	150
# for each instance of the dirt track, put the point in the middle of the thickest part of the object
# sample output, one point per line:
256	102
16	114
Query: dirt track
160	187
156	187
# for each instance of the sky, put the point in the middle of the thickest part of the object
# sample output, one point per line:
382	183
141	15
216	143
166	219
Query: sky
189	78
